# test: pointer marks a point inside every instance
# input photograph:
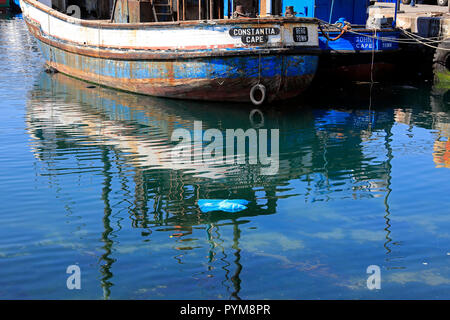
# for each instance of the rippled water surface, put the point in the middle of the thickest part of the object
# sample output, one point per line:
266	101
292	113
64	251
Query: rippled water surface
87	178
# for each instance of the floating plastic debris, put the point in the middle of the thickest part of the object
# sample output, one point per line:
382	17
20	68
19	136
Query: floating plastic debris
227	205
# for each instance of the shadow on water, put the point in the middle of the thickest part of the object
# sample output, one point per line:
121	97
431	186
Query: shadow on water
329	143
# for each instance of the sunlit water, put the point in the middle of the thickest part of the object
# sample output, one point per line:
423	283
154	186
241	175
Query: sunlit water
87	179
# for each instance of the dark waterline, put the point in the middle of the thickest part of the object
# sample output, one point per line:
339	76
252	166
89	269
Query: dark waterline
87	179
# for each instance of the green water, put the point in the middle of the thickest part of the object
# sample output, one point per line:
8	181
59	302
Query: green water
86	179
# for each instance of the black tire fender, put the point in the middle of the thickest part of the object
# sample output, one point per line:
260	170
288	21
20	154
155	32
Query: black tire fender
441	60
261	88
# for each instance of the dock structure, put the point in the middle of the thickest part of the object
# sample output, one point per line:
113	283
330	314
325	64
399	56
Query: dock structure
422	19
426	29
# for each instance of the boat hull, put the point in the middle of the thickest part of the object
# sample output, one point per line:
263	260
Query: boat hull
227	78
201	60
357	67
359	57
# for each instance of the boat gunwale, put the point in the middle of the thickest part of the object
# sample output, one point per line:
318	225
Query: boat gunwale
364	29
145	54
105	24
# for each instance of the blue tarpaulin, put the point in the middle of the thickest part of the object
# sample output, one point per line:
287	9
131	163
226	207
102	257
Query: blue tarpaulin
227	205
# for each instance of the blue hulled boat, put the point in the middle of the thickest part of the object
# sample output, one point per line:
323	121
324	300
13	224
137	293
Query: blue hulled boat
354	47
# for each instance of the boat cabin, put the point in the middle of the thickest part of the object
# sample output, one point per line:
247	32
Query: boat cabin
132	11
353	11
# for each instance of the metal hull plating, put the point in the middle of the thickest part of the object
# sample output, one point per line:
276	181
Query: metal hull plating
186	60
205	78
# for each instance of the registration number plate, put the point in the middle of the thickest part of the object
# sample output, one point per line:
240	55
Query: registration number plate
300	34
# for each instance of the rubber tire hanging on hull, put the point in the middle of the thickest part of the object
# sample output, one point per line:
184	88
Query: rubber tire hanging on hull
441	62
262	89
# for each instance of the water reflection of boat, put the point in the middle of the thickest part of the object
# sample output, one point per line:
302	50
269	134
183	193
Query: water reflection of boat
130	134
140	128
440	123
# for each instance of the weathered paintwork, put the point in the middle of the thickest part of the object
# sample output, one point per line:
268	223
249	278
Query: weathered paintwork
358	39
207	78
358	57
187	59
362	40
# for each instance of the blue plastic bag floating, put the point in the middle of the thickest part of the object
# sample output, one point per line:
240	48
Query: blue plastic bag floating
227	205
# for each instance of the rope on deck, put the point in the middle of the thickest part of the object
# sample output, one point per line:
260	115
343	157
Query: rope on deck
413	38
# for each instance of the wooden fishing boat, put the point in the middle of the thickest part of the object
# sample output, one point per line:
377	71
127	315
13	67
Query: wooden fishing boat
229	56
353	46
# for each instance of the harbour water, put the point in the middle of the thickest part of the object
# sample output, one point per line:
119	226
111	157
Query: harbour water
88	180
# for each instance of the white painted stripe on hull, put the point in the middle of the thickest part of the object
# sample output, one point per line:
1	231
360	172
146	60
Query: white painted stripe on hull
189	36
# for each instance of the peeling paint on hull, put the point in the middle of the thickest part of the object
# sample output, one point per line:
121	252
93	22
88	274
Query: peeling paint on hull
209	78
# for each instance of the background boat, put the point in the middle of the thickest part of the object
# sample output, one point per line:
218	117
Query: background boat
366	51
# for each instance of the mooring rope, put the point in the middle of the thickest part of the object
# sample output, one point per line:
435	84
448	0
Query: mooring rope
414	39
344	30
371	81
373	57
259	62
331	11
412	36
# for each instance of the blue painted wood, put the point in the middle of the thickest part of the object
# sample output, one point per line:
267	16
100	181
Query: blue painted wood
233	67
196	78
354	11
350	42
304	8
226	6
